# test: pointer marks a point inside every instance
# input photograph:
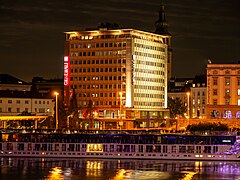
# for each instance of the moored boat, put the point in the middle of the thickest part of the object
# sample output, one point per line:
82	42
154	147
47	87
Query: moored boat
120	145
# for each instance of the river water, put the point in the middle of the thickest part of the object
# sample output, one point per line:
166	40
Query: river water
114	169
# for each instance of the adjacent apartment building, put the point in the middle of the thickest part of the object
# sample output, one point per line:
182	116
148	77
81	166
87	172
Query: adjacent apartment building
223	91
118	70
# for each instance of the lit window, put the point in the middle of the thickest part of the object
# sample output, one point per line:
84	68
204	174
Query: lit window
227	91
227	81
238	92
214	101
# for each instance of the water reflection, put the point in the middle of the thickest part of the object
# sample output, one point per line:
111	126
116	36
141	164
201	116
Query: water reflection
113	169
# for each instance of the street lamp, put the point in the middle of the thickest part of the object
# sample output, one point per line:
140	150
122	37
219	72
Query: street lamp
56	94
188	109
120	113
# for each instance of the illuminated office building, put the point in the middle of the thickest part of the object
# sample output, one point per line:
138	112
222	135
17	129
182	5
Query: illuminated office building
118	70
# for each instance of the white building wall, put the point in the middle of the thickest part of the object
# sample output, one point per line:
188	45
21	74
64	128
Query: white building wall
15	106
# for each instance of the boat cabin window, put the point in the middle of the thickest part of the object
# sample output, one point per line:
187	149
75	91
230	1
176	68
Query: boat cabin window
78	147
29	147
215	149
126	148
56	147
140	148
182	149
44	147
119	148
111	148
149	148
174	149
94	148
165	149
64	148
207	149
71	147
198	149
84	147
37	147
20	146
190	149
157	148
9	146
132	148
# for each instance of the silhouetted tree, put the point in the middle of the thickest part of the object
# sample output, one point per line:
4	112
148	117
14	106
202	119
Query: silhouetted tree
73	110
176	107
207	127
89	114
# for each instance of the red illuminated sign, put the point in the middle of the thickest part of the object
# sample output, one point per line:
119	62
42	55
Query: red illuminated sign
66	70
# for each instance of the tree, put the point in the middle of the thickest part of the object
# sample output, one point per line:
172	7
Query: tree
73	110
176	107
202	128
88	114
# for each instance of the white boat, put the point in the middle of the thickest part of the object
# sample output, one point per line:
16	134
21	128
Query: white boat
120	145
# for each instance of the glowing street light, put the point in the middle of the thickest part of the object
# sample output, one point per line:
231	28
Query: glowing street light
120	113
56	94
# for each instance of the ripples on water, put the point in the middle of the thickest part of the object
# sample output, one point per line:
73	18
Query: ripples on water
95	169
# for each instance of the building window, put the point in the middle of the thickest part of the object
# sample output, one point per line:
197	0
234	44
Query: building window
198	101
203	101
215	82
9	109
238	92
0	101
238	102
227	81
214	91
227	91
227	102
9	101
41	110
26	102
214	101
18	110
0	109
18	101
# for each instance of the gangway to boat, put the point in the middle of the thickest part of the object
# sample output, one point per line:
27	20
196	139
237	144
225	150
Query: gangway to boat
4	119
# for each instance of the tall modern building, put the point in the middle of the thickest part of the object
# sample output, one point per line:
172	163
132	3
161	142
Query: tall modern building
123	72
223	91
162	28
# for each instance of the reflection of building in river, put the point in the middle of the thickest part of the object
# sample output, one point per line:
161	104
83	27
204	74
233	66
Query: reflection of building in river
96	168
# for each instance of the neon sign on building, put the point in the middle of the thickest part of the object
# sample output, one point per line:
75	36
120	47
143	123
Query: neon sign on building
66	71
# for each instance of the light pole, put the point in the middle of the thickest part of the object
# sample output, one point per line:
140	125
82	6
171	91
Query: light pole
56	94
120	109
188	109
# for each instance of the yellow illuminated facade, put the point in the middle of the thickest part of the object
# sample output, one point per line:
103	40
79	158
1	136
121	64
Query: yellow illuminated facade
223	91
104	63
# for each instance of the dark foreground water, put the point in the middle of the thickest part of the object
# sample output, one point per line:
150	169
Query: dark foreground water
99	169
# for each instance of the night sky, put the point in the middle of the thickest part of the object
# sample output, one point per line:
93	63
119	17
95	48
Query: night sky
32	31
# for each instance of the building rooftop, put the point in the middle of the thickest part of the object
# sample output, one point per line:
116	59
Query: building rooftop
8	79
24	94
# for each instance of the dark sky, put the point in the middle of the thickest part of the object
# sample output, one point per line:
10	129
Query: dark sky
32	31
